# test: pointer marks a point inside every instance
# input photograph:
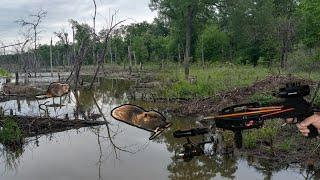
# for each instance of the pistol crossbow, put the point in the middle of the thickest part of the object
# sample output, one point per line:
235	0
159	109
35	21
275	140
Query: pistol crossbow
252	115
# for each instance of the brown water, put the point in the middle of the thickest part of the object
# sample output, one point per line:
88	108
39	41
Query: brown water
88	153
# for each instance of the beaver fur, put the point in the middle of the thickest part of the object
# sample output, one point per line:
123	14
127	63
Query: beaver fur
137	116
57	89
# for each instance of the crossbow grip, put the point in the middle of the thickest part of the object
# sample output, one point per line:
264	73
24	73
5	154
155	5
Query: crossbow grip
313	131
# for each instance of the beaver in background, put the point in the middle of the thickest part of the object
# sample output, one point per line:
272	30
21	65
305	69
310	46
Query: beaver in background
55	89
134	115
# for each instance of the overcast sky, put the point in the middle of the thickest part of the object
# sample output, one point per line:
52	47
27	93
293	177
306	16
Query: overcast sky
60	11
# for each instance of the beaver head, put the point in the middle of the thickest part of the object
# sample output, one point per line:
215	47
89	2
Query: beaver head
65	88
150	119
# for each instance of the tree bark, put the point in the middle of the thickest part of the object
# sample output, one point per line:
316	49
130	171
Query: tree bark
35	51
188	41
202	53
130	59
51	67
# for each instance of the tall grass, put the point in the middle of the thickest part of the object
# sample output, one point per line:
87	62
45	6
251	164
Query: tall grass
209	81
268	133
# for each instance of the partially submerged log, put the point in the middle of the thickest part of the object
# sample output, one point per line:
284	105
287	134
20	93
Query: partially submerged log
34	126
21	90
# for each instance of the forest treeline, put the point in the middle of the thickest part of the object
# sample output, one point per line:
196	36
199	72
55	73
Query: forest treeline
203	31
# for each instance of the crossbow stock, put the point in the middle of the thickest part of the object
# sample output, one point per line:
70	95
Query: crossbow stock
252	115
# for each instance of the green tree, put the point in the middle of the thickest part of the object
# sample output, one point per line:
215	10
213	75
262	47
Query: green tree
213	43
286	27
309	11
250	25
183	15
139	48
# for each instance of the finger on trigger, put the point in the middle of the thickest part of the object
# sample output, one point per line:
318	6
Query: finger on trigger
304	131
299	126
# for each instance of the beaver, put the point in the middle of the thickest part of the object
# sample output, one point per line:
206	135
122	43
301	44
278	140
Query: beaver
55	89
131	114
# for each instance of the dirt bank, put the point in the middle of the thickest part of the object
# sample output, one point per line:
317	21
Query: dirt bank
211	105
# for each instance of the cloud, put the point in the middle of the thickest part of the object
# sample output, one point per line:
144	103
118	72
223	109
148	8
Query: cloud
60	11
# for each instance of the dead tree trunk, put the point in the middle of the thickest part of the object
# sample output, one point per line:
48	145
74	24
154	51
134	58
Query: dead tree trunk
286	35
130	59
35	51
188	41
95	51
202	53
104	51
51	67
79	58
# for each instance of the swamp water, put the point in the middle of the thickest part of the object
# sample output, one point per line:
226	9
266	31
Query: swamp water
88	153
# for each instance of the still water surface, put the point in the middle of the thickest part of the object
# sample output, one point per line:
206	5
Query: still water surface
87	153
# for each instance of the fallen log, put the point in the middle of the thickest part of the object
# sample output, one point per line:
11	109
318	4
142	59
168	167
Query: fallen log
34	126
11	89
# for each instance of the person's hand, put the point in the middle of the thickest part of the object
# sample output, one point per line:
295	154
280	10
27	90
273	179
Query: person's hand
314	120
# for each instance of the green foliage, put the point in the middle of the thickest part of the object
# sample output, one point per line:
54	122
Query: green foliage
317	100
10	131
139	48
262	98
251	27
175	12
4	73
246	31
214	43
217	78
286	145
268	133
250	139
309	12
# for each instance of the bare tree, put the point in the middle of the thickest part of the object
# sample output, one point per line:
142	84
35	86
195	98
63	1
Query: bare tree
95	39
85	33
20	52
33	24
107	33
286	35
64	39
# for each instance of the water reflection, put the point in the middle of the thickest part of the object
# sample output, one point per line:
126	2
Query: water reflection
10	155
120	151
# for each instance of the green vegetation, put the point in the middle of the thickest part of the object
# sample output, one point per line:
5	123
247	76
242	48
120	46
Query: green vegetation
281	34
10	131
286	145
317	100
209	81
4	73
264	98
266	134
250	139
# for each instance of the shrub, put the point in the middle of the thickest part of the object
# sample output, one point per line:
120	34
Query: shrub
10	131
250	139
4	73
